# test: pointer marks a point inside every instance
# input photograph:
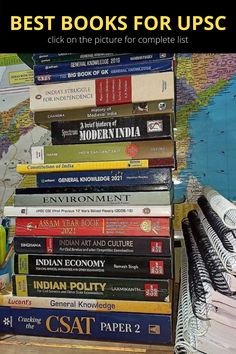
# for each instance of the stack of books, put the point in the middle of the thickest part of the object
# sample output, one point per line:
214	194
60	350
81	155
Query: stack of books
93	241
207	307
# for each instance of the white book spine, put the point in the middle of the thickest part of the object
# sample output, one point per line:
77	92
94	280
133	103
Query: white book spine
116	211
80	304
100	92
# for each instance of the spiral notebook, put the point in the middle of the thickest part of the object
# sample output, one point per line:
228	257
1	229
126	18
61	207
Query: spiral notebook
207	306
223	207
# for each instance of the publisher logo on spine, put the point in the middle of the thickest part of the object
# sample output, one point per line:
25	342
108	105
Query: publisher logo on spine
156	247
154	126
162	106
132	150
156	267
151	290
154	329
146	226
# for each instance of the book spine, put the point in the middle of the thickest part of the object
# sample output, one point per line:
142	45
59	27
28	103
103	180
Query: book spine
146	227
45	118
95	199
91	166
103	92
90	287
138	246
107	178
85	211
83	166
95	72
150	149
112	129
165	186
51	55
136	328
78	304
131	266
58	57
101	61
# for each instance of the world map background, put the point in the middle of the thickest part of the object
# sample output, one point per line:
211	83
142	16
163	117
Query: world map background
205	131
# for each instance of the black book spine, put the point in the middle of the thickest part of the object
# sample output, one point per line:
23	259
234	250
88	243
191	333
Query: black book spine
131	266
139	246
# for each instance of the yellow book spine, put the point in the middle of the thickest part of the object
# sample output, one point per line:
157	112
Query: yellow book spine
22	301
3	246
21	285
81	166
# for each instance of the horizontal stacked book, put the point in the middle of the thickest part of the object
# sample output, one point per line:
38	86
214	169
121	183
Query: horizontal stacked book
207	306
93	242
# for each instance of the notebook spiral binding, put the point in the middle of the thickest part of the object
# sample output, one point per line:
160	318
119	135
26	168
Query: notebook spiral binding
185	341
199	279
185	338
227	258
226	235
223	207
211	259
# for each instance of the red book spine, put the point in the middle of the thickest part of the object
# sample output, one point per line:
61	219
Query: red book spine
93	227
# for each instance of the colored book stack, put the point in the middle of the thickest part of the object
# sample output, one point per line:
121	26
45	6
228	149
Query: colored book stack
207	308
93	241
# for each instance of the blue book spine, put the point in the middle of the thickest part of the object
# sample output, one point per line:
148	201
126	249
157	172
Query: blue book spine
105	178
50	55
99	61
121	327
95	72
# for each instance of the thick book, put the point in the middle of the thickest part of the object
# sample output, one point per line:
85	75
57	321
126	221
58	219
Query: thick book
150	149
112	129
138	246
123	327
95	199
45	118
97	72
107	266
92	287
97	305
93	211
151	227
103	92
109	60
107	178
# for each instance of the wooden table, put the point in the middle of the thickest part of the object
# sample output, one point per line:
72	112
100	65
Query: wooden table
11	344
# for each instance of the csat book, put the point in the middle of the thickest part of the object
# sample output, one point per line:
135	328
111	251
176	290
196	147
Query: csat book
123	327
